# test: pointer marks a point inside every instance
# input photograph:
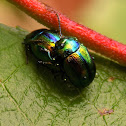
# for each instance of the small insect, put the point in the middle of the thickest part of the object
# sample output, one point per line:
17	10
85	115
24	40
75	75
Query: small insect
73	58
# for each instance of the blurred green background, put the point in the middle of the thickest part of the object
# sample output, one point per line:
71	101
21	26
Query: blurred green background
104	16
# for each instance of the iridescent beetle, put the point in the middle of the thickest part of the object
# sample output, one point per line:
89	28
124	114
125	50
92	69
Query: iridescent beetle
51	47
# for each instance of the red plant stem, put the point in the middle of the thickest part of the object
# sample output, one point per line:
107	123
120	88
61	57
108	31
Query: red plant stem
93	40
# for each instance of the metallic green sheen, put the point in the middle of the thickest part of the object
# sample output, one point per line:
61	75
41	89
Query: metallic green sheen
79	67
66	46
41	43
40	53
73	58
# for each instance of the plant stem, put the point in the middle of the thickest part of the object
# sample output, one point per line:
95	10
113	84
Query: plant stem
91	39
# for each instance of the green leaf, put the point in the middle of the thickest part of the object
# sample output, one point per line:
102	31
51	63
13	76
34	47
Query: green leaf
31	95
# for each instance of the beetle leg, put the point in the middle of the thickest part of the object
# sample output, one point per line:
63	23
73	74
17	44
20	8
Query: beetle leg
61	71
41	62
26	52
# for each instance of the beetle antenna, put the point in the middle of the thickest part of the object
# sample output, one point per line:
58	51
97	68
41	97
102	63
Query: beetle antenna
59	24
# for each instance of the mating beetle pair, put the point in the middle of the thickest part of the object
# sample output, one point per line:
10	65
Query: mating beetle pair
73	58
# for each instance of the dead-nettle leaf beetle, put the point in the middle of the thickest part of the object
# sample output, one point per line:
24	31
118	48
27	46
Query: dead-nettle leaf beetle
73	58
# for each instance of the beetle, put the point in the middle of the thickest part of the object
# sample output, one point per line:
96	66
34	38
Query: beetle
73	58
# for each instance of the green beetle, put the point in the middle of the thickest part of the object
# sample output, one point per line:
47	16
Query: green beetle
73	58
